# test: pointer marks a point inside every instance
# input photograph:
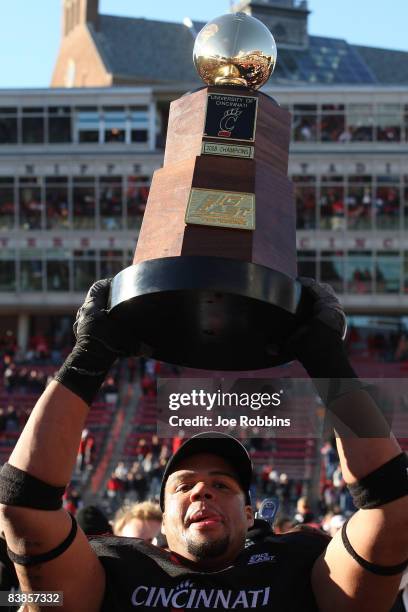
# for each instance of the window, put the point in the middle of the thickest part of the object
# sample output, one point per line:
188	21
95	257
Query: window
7	270
111	202
360	122
33	125
307	263
84	270
332	213
405	272
359	272
387	203
57	270
111	263
332	125
137	191
56	202
7	204
405	201
359	203
8	126
84	199
406	121
332	269
387	272
59	124
388	122
31	270
87	124
30	203
115	124
305	123
139	123
305	206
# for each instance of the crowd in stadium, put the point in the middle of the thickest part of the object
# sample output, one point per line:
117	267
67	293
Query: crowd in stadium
129	504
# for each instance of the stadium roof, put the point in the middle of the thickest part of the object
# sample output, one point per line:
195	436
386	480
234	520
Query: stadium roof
161	52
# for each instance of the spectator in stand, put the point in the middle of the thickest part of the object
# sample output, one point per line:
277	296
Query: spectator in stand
110	390
283	491
140	484
72	500
330	458
304	512
141	449
9	378
89	451
12	420
93	521
130	488
81	450
121	470
115	487
164	452
148	384
283	524
142	520
40	346
156	477
336	522
268	478
155	446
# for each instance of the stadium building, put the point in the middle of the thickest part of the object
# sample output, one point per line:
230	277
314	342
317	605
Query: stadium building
77	160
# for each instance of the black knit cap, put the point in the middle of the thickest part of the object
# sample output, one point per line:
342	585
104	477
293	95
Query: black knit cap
214	443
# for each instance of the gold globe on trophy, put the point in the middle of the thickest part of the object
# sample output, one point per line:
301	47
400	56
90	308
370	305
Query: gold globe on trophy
212	284
235	49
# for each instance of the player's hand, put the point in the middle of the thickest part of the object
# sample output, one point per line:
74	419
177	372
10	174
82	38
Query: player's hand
325	326
93	322
325	306
99	341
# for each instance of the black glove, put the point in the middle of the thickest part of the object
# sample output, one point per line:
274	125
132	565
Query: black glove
99	341
318	343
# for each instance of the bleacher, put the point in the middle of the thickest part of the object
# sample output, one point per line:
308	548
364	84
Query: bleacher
98	422
143	426
294	456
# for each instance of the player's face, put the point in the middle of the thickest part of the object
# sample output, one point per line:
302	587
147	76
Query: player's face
205	518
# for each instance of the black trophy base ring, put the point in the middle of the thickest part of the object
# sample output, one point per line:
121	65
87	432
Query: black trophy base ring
206	312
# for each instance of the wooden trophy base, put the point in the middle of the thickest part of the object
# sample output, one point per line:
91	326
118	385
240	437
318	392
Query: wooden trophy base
212	284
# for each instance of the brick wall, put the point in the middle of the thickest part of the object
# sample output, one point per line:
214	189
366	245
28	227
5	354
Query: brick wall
78	49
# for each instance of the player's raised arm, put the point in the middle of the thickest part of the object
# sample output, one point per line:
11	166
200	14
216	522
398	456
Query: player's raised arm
362	566
49	552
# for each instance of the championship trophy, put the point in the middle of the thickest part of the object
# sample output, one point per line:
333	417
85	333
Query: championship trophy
212	284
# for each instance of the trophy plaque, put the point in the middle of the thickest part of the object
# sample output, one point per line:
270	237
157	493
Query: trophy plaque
212	284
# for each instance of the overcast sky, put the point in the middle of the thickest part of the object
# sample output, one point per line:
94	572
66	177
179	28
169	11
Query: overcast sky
30	29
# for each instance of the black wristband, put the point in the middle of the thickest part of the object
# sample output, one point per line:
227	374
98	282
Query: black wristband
380	570
382	486
85	369
28	560
18	488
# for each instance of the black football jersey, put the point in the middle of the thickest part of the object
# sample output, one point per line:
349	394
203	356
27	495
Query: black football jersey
271	573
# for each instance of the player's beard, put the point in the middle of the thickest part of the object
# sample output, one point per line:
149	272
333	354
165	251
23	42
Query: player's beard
208	550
